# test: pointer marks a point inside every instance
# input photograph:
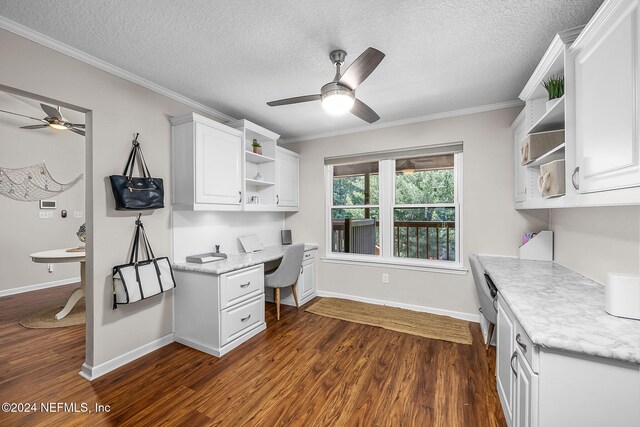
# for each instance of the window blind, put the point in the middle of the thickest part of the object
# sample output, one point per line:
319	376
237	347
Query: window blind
427	150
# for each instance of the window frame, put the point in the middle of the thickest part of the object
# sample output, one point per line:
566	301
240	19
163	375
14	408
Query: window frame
386	205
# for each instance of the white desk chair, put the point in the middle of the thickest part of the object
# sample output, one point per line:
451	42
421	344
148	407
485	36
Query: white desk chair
286	274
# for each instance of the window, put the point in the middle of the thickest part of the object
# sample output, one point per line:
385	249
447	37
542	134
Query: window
402	208
355	209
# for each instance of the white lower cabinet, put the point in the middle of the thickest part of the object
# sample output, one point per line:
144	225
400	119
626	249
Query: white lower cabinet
543	387
216	313
505	351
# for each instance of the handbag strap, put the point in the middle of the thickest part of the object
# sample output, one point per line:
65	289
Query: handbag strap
136	154
141	246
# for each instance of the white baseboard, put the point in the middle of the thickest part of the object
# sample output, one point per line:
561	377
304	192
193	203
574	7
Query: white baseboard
457	314
29	288
92	372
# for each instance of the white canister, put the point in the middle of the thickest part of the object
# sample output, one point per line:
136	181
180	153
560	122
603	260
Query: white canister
622	295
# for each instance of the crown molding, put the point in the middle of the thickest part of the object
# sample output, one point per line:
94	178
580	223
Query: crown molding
402	122
72	52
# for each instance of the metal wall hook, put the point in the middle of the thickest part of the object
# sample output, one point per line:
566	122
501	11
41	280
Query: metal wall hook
135	141
138	222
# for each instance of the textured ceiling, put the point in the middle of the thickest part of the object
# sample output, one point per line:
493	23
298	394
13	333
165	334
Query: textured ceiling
235	56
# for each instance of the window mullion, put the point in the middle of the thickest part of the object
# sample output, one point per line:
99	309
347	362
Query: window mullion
386	208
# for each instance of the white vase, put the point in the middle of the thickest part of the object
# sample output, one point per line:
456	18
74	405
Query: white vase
551	103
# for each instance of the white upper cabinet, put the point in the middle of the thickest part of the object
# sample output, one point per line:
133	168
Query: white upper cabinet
287	181
207	164
216	167
519	171
607	100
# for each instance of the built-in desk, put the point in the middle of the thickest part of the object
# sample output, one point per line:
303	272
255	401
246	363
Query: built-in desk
220	305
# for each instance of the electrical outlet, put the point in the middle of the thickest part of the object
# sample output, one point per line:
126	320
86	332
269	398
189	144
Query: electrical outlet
77	214
385	278
45	214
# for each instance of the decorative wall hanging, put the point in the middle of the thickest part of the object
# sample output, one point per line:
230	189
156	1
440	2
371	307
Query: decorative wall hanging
31	183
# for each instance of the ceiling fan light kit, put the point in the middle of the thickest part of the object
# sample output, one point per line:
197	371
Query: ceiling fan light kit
339	96
337	99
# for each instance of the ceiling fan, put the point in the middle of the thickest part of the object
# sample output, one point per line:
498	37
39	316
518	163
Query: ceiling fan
339	95
54	119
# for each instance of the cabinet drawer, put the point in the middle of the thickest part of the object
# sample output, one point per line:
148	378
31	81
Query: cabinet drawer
524	344
237	286
309	255
236	321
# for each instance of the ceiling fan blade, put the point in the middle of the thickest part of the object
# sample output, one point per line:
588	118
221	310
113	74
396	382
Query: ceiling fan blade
363	111
34	127
78	131
361	68
22	115
296	100
51	112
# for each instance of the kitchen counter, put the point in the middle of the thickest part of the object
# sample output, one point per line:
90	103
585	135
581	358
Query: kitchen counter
238	261
561	309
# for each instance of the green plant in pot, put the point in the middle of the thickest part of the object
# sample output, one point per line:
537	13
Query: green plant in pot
255	145
555	88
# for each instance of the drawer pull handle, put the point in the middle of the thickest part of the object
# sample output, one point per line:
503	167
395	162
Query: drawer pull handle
520	343
246	284
513	357
244	319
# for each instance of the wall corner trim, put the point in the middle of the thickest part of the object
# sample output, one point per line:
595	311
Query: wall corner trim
470	317
74	53
90	373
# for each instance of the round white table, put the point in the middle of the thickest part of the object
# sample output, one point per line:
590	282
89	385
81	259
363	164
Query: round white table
60	256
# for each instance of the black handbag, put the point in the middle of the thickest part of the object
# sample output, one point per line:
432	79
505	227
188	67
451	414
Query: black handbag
137	193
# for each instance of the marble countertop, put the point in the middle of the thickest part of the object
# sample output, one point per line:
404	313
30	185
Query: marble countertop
561	309
238	261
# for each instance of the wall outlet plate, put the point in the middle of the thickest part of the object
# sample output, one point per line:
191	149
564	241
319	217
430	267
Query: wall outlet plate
385	277
78	214
45	214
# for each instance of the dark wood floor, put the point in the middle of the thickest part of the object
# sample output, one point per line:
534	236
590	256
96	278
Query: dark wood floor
305	370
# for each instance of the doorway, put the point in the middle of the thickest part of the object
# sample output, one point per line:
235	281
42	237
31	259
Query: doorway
46	225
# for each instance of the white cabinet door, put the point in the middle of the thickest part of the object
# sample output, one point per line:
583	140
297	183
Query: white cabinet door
607	107
287	178
218	159
308	282
523	404
505	376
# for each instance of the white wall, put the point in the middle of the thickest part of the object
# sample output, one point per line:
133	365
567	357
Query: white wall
595	241
198	232
118	108
21	231
491	224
